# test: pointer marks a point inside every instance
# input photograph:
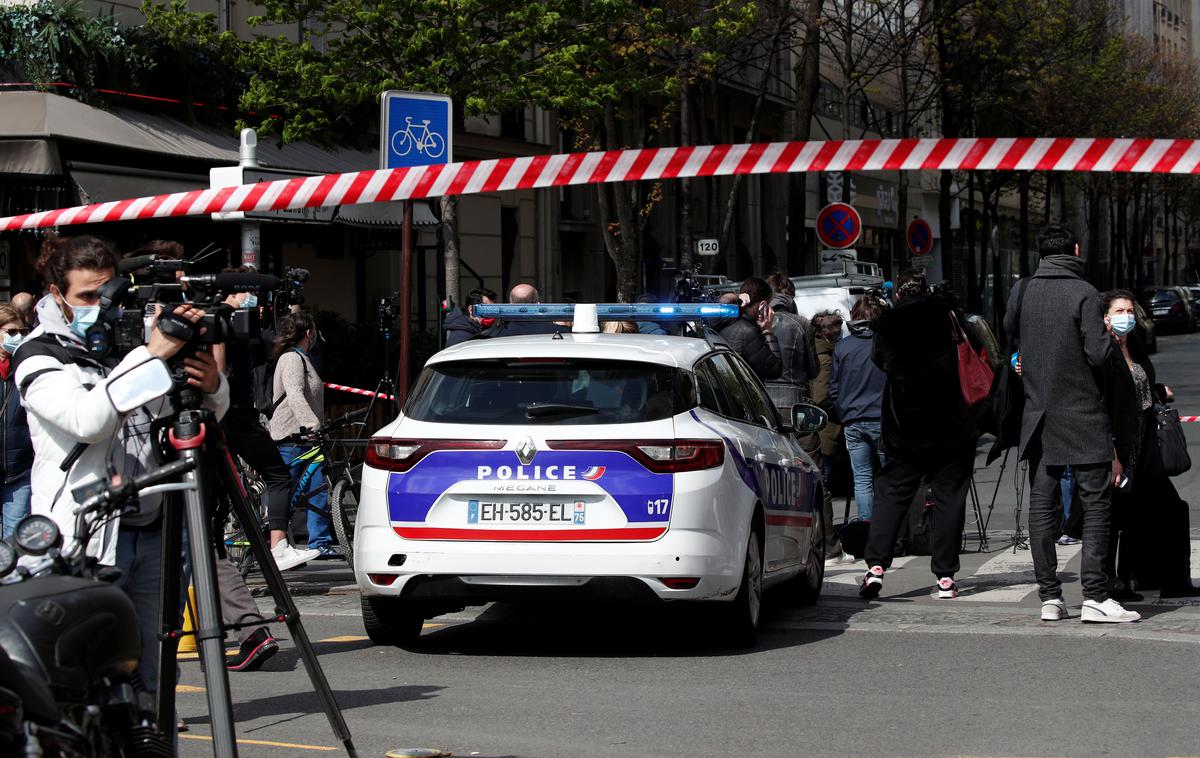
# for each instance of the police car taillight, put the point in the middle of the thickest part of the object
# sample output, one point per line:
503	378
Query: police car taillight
659	456
401	455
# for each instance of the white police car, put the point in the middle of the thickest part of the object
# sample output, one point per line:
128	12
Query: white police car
599	466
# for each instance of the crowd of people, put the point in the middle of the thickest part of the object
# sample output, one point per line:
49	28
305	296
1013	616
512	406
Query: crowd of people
61	431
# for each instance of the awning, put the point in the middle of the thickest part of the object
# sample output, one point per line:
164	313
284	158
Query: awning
116	184
386	214
29	156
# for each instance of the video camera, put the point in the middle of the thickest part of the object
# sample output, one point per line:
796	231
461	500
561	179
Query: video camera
127	309
688	290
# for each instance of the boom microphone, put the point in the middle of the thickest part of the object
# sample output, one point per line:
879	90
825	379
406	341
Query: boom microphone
135	263
234	281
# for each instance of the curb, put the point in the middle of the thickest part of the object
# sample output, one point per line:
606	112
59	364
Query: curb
261	590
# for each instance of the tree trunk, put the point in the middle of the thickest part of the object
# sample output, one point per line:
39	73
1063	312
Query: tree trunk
946	233
970	224
449	208
807	76
623	242
684	256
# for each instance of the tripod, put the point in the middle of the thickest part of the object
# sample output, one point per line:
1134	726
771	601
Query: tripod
386	384
195	435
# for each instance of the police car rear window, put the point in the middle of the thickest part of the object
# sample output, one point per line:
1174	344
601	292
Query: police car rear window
549	391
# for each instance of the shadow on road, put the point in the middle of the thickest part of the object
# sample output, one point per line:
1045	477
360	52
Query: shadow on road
295	705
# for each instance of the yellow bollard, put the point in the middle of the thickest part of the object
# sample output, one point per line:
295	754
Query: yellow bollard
187	643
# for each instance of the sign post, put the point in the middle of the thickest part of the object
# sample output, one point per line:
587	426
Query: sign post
415	129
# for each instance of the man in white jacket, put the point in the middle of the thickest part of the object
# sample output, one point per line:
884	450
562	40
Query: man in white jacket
63	388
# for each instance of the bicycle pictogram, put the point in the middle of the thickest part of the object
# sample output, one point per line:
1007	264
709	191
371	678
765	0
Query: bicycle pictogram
419	136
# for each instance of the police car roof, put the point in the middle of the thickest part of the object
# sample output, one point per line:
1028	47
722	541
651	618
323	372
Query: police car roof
682	352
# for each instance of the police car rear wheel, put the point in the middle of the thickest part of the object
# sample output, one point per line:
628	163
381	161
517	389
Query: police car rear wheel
742	620
807	586
391	621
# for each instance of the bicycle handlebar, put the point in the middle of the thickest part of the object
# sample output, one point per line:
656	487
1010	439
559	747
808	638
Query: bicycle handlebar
316	435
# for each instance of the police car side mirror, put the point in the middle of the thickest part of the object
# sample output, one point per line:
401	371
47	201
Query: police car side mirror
807	418
145	382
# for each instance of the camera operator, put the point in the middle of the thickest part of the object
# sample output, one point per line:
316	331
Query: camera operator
462	324
78	437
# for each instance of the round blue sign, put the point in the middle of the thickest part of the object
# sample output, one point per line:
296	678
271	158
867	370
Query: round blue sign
838	225
920	237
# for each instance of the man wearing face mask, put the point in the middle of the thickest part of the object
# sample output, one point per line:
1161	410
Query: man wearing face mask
16	455
77	435
461	325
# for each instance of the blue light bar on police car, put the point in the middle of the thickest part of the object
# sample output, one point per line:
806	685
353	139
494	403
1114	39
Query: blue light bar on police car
610	311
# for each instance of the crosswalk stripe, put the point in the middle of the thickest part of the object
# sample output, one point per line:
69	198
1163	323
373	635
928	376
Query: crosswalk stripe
1008	577
851	575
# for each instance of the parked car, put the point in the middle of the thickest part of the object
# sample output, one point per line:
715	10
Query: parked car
1169	307
1194	292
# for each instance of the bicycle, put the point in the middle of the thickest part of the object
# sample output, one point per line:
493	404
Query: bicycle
237	543
427	142
337	472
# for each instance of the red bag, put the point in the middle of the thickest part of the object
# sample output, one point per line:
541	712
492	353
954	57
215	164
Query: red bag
974	373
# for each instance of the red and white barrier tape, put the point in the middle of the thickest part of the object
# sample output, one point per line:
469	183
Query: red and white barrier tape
1186	419
357	391
1174	156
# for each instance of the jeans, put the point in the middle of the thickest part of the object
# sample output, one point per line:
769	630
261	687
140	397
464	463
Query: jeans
1093	489
866	458
139	556
246	437
320	532
1067	484
949	477
15	498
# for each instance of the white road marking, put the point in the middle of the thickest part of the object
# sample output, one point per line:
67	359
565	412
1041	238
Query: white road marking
1008	577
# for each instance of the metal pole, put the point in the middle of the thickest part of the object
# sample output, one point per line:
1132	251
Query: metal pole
251	231
406	252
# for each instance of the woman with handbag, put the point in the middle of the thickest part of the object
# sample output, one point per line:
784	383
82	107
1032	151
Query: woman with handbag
1149	542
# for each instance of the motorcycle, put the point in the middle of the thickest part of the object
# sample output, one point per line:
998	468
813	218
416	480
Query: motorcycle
69	641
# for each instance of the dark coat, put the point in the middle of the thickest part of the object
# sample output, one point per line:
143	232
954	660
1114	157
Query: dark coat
459	327
747	340
797	353
923	408
1130	424
1064	351
523	328
855	383
17	448
831	434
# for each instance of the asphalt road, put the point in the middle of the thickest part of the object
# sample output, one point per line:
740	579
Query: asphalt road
907	675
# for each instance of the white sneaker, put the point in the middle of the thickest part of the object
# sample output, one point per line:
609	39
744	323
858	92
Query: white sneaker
1108	612
287	557
841	559
1054	610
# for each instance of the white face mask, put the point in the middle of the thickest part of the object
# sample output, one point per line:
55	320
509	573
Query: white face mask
1122	323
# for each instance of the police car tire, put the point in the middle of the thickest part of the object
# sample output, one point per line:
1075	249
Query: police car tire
742	617
343	507
391	621
807	584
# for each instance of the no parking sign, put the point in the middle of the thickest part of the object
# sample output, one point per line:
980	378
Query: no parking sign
919	238
838	225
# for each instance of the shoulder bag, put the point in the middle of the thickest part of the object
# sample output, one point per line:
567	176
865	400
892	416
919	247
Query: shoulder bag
1171	441
974	373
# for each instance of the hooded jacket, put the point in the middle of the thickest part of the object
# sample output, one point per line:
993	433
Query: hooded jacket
459	327
64	391
855	383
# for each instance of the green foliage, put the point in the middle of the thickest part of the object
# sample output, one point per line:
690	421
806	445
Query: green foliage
49	42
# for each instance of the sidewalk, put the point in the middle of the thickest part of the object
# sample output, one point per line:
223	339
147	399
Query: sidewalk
314	578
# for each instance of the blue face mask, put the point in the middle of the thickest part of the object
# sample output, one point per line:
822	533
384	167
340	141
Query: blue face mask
251	301
84	317
10	342
1122	323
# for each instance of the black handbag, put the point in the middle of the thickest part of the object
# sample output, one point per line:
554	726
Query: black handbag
1171	441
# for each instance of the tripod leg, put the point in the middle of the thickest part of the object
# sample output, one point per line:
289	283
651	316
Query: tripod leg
285	608
210	635
172	568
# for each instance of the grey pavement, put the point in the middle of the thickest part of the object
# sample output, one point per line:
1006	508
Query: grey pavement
904	675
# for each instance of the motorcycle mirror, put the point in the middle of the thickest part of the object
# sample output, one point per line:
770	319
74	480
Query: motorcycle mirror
139	385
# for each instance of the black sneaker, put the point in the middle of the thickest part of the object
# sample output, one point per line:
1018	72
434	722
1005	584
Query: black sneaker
257	648
872	583
947	589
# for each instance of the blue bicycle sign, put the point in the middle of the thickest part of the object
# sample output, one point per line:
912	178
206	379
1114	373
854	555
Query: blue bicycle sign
419	138
416	129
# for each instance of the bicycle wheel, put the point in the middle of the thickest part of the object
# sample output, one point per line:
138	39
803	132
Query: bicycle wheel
435	145
343	504
402	142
